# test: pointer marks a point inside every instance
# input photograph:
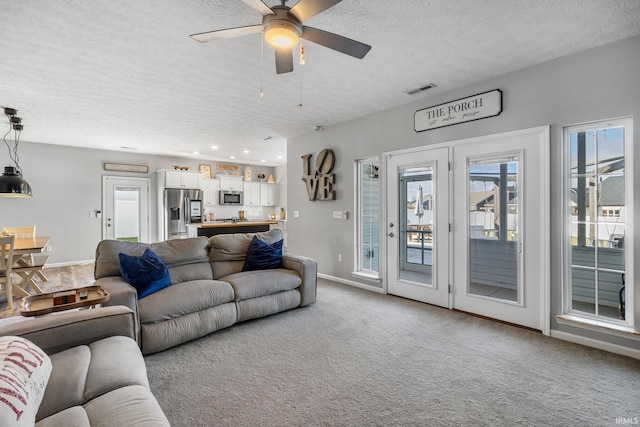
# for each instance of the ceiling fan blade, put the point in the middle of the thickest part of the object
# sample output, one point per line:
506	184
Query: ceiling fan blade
305	9
335	42
259	7
284	60
228	33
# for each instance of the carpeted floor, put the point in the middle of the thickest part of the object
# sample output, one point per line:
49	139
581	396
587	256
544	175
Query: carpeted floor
356	358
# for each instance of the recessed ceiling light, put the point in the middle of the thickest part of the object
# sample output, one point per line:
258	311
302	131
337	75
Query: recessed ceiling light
196	152
280	157
263	160
214	147
232	157
246	151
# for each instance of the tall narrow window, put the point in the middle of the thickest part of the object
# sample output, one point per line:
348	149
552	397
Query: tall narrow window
598	220
368	218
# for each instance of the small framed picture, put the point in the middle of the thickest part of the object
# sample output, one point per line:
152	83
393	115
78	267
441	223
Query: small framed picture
205	170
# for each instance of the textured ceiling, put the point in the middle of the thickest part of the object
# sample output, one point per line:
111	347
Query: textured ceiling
122	73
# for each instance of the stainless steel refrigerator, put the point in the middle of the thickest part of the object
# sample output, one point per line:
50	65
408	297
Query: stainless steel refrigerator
181	207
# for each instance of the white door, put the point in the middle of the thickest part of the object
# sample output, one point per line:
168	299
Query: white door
500	227
479	241
126	208
418	225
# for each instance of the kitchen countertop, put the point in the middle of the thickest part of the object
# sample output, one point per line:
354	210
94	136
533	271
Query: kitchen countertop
217	224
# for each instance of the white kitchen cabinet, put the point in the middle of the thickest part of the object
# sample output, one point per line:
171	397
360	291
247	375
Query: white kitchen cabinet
268	194
230	182
251	193
210	191
179	179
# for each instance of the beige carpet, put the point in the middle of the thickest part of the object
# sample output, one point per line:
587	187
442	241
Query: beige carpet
356	358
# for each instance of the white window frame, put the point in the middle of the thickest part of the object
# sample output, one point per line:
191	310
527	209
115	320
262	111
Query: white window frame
358	270
570	316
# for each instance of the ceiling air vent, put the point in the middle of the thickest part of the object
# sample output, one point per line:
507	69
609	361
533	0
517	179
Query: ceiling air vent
421	89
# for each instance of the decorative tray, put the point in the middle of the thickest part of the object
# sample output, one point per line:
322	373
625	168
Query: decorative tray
37	305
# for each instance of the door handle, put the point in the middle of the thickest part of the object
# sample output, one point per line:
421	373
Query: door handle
390	234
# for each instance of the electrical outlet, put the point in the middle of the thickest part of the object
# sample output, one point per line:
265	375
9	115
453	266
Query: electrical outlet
339	257
296	214
337	214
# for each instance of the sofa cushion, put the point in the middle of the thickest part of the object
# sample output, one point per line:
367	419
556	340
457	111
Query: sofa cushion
146	273
126	406
84	372
253	284
183	257
24	372
263	256
228	251
188	297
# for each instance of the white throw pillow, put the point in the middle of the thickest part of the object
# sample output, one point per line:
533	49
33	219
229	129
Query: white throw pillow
24	373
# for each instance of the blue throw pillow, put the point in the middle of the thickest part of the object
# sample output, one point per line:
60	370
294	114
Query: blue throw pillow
263	256
146	273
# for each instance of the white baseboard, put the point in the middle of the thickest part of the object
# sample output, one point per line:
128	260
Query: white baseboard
351	283
602	345
67	264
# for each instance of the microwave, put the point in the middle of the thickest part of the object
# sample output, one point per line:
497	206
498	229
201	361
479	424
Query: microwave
231	198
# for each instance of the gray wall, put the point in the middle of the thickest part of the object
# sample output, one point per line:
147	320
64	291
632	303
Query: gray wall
593	85
67	185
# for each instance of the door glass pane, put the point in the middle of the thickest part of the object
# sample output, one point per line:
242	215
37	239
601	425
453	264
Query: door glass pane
126	222
493	228
416	224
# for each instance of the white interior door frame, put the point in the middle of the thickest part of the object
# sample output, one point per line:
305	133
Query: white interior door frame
542	135
109	185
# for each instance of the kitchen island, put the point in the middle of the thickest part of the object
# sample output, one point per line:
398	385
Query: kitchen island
209	229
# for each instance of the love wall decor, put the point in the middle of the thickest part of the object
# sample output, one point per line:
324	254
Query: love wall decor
320	182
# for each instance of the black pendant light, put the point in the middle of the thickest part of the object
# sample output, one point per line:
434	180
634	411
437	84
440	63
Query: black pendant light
12	184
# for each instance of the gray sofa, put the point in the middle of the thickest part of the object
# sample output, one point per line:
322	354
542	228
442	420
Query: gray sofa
209	291
98	375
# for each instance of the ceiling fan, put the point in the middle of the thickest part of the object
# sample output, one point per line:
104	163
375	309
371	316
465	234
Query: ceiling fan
282	27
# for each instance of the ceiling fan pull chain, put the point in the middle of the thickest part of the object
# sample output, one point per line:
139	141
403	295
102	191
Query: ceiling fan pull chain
301	66
261	64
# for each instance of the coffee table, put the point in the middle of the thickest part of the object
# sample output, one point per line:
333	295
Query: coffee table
37	305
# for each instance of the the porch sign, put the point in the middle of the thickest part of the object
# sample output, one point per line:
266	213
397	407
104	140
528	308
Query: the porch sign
476	107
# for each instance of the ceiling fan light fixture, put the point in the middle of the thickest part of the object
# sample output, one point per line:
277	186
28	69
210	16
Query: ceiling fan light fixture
282	34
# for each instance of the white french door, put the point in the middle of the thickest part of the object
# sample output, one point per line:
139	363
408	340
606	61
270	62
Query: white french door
501	227
479	239
126	208
417	232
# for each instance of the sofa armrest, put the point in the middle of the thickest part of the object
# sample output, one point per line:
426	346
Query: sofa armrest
59	331
307	268
121	293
